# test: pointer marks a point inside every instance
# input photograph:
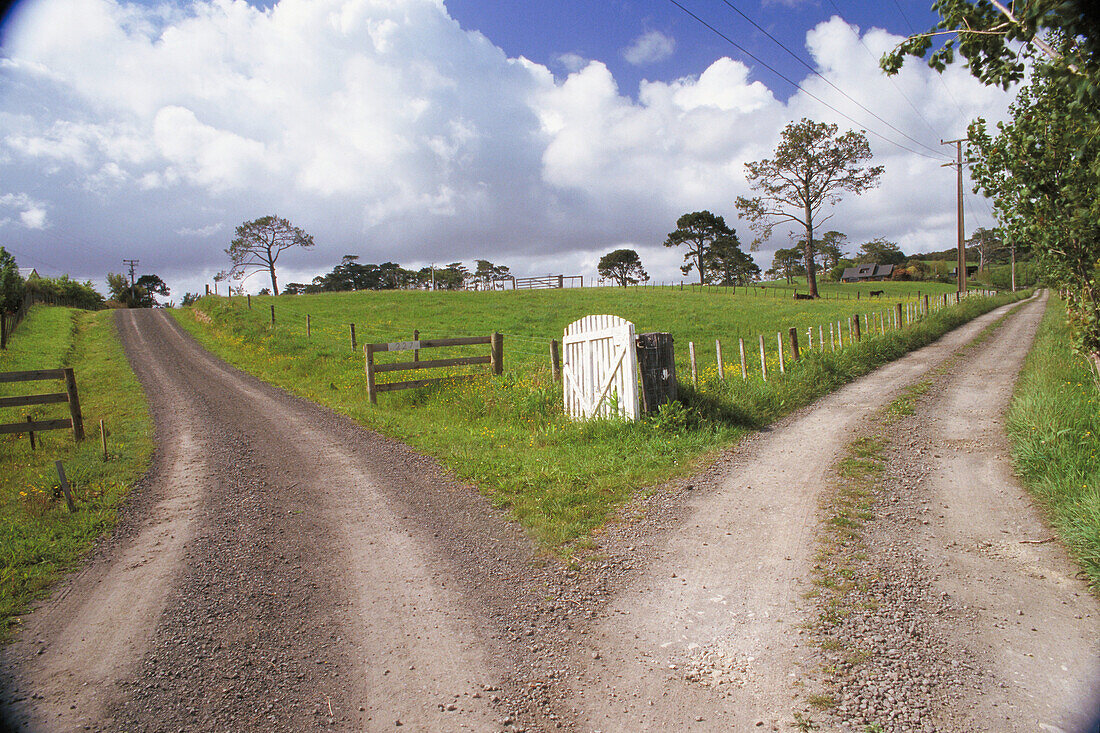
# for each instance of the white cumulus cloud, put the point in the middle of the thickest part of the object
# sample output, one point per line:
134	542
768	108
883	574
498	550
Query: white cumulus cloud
649	48
387	130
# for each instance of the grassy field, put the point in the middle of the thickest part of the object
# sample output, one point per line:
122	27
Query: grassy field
38	537
1054	425
508	435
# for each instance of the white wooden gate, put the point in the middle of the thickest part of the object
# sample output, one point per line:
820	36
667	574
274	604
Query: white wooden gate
600	368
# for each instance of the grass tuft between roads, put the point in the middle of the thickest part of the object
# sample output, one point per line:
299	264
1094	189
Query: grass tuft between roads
39	539
1054	427
508	435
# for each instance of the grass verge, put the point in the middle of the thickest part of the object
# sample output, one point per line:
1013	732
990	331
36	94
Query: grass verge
508	435
39	539
1054	426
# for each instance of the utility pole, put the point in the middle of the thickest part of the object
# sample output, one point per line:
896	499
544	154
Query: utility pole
961	269
131	264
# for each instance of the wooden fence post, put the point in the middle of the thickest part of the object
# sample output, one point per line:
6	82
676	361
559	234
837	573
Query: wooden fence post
840	334
30	433
309	331
794	343
416	337
555	360
832	338
897	315
353	346
103	437
65	486
721	366
207	288
74	405
496	344
763	360
782	360
855	326
368	367
741	346
249	296
272	314
810	338
957	297
926	305
691	356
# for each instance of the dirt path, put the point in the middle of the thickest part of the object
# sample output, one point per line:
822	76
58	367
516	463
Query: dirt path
283	569
711	633
280	569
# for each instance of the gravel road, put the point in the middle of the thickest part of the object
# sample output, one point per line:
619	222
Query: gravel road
281	568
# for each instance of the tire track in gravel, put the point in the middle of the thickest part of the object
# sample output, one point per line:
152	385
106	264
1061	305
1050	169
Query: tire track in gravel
710	633
318	576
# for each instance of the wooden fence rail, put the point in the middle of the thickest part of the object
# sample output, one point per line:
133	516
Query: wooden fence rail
75	419
495	360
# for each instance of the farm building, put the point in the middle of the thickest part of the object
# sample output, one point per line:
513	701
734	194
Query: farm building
27	273
865	273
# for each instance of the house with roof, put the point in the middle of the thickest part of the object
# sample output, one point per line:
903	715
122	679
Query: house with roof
27	273
866	273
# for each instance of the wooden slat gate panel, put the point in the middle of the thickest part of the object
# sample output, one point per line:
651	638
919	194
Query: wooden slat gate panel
600	368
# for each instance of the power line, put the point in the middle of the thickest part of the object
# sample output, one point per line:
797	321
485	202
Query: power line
818	74
796	85
893	80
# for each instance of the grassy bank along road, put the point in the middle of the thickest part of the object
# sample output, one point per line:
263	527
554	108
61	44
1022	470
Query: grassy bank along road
39	538
508	435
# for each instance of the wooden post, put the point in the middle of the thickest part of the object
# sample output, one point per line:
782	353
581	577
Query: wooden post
65	486
555	361
74	405
368	353
926	305
30	433
763	360
272	314
103	437
810	338
721	366
897	316
840	335
855	325
820	337
741	346
945	300
691	356
249	296
416	337
832	338
496	343
957	298
782	361
207	288
309	331
353	346
794	343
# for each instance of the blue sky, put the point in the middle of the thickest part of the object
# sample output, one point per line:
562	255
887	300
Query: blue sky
536	135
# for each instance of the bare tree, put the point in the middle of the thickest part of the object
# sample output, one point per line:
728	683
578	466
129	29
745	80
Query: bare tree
259	244
812	167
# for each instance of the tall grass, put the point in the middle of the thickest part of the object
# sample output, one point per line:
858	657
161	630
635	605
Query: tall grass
1054	425
38	537
508	435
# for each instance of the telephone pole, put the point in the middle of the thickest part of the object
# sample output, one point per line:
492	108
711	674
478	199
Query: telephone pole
131	264
961	268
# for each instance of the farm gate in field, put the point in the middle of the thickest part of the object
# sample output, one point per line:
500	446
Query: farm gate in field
600	370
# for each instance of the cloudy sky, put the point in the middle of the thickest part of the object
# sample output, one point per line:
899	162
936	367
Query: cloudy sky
539	135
